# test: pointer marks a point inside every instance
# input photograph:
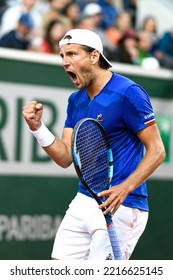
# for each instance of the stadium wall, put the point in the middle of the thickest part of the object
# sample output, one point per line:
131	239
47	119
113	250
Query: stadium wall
34	192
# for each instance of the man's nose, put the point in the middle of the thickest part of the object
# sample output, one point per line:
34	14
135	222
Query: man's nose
65	61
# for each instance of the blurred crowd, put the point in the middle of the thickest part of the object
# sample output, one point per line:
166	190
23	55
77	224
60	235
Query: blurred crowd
38	25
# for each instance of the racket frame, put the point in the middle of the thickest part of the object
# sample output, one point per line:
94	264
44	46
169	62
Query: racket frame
108	217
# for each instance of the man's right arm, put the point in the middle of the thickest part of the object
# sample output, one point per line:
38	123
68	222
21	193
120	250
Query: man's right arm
60	150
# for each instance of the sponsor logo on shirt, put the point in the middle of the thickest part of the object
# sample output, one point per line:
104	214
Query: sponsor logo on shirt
149	116
150	122
100	118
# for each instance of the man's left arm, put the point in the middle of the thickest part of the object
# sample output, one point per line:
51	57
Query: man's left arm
154	156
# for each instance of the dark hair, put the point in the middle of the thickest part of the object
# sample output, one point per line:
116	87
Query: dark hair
102	62
47	35
68	5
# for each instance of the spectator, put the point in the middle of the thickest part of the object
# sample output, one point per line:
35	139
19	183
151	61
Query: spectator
130	6
19	37
122	25
85	22
11	17
93	10
145	55
55	12
164	52
109	13
54	32
72	12
89	22
128	48
150	25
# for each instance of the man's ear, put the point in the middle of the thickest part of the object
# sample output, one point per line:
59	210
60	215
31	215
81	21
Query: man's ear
95	55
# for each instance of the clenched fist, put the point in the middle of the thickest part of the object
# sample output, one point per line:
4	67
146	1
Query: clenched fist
32	113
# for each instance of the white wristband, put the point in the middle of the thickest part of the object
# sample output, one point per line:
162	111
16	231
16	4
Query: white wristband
44	136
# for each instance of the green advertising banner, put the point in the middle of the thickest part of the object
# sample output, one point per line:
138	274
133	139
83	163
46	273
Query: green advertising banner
35	192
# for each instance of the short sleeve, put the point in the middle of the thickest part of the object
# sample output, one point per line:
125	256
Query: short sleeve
137	108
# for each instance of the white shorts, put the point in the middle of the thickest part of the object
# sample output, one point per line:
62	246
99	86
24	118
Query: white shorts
83	235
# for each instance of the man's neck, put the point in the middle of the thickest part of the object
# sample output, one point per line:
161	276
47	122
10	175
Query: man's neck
99	83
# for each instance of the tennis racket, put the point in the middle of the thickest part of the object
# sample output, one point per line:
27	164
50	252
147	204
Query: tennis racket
93	162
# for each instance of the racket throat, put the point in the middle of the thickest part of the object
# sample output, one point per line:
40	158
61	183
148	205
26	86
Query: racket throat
94	195
109	224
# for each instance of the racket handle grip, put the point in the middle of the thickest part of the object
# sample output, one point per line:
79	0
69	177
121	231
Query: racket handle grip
114	242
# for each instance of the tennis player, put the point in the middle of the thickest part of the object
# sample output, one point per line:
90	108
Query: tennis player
125	111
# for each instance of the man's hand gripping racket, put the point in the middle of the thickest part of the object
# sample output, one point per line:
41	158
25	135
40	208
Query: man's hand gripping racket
93	161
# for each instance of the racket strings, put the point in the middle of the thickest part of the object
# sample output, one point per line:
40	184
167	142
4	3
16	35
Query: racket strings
94	160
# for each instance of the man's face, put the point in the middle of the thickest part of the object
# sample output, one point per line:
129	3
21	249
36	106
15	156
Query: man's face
77	64
23	30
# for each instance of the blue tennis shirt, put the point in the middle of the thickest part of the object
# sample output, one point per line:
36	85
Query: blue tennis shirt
123	108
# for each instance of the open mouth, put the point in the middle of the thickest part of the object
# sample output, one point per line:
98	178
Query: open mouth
72	76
